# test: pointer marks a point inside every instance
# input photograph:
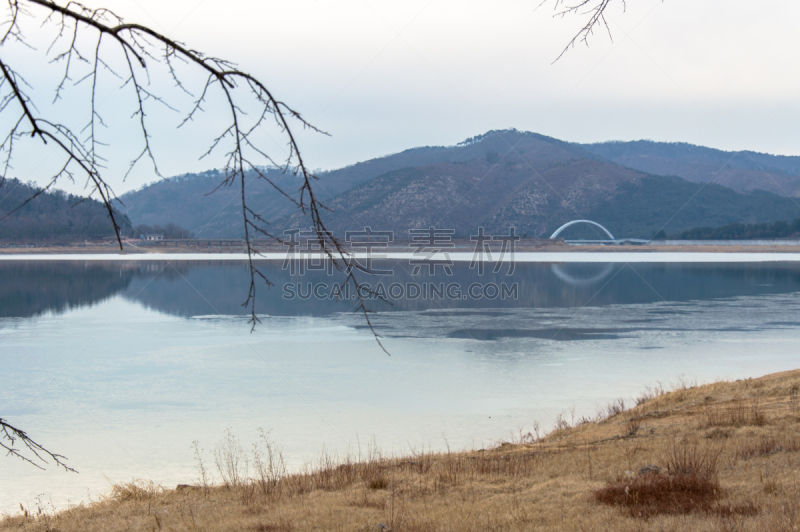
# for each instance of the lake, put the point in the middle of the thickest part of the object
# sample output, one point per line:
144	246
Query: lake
120	363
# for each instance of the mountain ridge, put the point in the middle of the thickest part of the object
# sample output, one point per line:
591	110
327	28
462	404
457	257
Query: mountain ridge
498	179
743	171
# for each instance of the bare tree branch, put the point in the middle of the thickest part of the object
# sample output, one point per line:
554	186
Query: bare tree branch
593	9
10	435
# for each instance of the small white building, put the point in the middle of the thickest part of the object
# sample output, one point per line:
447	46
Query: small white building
152	237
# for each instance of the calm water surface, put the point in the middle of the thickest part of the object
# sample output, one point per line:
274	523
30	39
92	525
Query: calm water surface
121	366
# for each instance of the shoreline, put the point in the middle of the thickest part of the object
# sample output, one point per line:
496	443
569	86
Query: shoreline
718	456
461	250
583	256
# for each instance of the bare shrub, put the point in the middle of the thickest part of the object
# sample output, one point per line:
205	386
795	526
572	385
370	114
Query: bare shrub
682	385
633	427
523	438
614	408
561	423
691	484
232	462
268	464
654	494
686	458
649	394
205	480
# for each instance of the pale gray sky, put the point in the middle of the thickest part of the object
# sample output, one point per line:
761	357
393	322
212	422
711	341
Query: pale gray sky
385	76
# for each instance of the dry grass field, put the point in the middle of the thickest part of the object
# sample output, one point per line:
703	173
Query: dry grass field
717	457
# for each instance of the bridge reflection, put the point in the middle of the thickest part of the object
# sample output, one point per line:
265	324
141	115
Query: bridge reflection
610	240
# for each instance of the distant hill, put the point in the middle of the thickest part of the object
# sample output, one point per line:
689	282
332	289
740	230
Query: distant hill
494	180
465	196
52	216
197	203
188	201
743	171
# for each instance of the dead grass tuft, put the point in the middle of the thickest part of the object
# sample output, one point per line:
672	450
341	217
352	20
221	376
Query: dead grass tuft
747	509
771	487
379	483
138	490
271	527
737	414
633	427
767	445
718	434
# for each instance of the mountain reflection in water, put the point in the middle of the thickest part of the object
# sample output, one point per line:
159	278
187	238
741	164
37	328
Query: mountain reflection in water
190	289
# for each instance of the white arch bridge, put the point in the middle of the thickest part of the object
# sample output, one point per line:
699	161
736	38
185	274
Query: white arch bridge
610	240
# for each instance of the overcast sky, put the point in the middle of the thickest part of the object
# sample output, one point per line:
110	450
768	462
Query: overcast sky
381	77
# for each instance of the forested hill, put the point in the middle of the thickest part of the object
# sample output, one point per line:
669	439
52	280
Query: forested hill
52	216
465	196
187	200
495	180
197	202
743	171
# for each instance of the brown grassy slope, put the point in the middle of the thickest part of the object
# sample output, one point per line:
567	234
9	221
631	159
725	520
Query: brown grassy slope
728	454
